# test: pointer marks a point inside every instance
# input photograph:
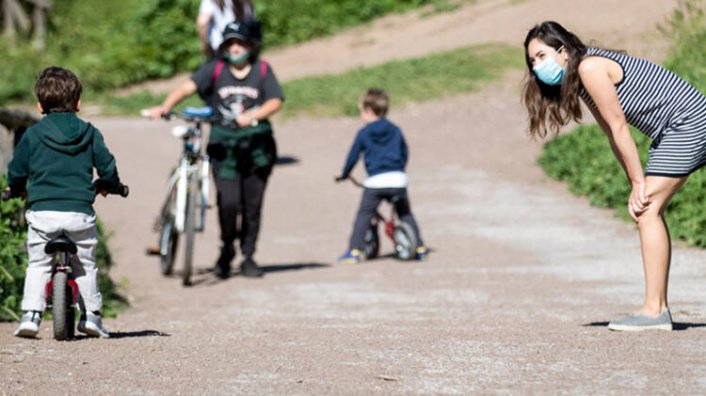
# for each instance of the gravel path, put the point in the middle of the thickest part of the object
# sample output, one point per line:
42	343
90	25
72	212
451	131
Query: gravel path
515	297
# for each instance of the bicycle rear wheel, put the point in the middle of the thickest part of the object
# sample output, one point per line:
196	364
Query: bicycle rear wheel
168	243
371	241
190	227
62	309
405	241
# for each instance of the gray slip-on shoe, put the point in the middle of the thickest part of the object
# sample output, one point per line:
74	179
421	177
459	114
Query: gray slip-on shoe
640	322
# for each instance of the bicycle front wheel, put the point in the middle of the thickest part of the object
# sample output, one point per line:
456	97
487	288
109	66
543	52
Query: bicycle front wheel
62	309
405	241
190	227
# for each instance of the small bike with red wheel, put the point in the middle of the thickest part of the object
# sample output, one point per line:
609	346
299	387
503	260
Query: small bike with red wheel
400	233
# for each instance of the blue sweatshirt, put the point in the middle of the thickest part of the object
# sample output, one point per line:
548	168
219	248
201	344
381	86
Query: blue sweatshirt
383	146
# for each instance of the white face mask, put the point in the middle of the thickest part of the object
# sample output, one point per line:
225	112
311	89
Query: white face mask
549	71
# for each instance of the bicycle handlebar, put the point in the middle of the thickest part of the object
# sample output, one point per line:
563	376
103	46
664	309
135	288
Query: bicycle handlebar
121	189
352	179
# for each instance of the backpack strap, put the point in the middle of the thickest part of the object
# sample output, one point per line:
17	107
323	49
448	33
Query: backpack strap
217	71
263	69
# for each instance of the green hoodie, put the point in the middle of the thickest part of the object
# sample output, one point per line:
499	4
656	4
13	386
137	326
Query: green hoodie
54	161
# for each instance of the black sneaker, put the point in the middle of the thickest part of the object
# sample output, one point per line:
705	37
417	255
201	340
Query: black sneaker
222	268
250	269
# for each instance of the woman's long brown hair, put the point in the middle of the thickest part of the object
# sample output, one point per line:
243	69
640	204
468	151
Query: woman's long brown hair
552	107
242	9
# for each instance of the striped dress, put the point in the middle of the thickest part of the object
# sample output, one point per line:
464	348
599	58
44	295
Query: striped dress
665	108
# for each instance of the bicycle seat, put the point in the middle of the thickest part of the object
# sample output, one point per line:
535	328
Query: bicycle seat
202	112
60	244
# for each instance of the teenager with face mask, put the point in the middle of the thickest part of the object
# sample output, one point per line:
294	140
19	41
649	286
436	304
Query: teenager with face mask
244	91
622	90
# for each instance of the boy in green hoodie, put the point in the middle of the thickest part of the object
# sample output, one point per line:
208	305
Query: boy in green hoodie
53	162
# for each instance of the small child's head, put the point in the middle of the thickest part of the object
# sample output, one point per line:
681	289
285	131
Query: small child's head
58	90
373	104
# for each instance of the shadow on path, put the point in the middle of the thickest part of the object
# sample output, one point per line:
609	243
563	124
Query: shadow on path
677	326
205	276
140	333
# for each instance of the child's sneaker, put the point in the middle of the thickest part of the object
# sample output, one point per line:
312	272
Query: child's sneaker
29	324
91	325
422	253
351	257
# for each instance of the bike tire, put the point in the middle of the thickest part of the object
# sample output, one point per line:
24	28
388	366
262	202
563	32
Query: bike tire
190	228
168	244
62	315
405	242
371	241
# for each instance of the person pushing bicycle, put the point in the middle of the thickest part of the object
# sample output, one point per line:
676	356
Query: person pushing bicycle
385	156
244	91
53	162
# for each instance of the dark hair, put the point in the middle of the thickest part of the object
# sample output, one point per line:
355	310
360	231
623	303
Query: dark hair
376	99
551	107
58	90
242	9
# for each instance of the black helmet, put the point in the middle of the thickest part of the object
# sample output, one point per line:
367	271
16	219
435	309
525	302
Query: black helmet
249	30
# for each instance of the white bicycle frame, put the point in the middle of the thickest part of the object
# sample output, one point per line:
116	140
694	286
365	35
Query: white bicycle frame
180	179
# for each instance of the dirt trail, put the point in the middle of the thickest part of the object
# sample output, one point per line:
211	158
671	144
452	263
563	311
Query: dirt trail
514	298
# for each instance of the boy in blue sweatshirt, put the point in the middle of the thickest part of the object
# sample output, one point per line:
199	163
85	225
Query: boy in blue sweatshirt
385	155
54	162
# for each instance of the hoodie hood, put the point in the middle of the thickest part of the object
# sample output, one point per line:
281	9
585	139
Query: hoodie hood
382	131
66	133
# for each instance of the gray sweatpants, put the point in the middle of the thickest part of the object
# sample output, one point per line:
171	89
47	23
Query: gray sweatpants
42	226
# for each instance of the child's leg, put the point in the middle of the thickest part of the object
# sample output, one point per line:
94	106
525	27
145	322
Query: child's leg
253	194
228	199
404	211
655	242
368	205
39	266
84	264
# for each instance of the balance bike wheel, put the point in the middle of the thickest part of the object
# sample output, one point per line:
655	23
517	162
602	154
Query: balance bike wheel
62	311
405	242
371	242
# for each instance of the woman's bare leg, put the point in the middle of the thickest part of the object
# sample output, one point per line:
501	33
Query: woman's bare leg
656	243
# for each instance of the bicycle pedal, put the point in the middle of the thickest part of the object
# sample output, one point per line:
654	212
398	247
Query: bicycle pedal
153	251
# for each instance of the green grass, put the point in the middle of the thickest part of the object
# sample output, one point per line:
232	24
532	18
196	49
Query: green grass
413	80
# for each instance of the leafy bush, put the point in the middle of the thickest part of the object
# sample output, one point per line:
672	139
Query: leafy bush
584	160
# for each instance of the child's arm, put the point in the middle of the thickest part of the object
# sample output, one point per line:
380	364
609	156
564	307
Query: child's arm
104	162
269	108
405	150
186	89
353	156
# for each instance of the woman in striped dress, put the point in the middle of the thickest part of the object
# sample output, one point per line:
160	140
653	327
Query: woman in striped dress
620	90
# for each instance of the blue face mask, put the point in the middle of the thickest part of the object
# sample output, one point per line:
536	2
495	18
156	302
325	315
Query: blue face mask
237	59
549	71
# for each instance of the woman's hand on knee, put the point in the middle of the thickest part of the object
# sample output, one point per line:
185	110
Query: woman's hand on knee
639	201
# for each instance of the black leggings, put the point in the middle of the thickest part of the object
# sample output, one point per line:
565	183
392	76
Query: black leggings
240	203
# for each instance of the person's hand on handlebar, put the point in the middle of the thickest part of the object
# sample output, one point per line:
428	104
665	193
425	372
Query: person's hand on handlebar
155	112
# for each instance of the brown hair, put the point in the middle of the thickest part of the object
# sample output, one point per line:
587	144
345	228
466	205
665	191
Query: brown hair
552	107
242	9
58	90
376	99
